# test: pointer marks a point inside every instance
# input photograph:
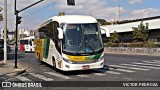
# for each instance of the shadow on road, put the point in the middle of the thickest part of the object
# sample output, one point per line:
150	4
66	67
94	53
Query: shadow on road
79	72
11	56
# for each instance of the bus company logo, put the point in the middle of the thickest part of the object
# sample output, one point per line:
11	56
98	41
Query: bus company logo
6	84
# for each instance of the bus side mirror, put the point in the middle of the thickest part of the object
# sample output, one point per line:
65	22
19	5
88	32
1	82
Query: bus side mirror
105	30
60	33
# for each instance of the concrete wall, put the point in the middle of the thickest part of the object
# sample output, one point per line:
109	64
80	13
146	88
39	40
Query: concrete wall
129	50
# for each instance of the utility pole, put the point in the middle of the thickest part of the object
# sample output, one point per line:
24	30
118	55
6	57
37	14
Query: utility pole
119	11
5	31
16	47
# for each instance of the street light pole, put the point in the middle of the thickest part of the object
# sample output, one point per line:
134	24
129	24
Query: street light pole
5	31
16	47
18	22
70	2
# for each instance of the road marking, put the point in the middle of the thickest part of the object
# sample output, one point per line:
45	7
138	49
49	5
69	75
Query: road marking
122	70
99	74
130	67
112	72
151	62
156	60
58	75
147	64
41	77
22	78
82	75
141	66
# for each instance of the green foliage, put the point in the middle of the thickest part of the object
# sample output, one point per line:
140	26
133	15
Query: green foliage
103	22
140	33
61	13
150	44
1	16
114	37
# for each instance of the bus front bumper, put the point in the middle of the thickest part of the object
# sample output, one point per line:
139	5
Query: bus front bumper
74	67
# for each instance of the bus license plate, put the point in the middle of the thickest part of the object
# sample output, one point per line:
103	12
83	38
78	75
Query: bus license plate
85	67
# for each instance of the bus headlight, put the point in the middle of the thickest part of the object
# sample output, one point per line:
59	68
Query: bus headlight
68	61
101	58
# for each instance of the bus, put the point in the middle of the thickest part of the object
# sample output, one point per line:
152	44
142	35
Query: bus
27	44
69	43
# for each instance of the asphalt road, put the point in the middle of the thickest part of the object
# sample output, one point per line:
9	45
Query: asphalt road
117	68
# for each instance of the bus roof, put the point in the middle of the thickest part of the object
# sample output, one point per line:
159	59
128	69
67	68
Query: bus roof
74	19
30	37
71	19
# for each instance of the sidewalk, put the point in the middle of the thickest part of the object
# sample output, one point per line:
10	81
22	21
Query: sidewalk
8	69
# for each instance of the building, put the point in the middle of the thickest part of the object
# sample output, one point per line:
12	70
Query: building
10	34
124	29
22	33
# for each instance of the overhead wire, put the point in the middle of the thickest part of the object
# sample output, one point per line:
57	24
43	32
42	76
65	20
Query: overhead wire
38	10
30	13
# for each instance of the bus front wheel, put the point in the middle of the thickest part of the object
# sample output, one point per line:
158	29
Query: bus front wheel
54	64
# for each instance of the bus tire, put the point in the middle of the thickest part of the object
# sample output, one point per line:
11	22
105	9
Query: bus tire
54	64
30	50
39	59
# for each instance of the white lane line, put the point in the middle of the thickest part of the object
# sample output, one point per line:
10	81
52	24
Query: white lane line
112	72
141	66
123	70
134	68
41	77
147	64
151	62
99	74
82	75
156	60
107	71
22	78
58	75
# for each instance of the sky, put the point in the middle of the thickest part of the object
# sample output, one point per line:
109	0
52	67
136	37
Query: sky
100	9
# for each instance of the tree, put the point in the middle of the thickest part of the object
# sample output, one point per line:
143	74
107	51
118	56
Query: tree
1	16
61	13
140	33
103	22
114	37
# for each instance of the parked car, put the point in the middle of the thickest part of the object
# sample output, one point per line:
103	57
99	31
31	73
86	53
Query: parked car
9	49
1	51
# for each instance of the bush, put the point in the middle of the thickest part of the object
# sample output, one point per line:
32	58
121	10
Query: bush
150	44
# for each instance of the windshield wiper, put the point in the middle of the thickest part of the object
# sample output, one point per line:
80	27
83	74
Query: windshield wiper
83	42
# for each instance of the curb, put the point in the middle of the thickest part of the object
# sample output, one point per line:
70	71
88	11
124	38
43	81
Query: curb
130	54
16	72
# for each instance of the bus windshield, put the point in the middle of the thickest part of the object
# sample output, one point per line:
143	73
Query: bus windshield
82	38
23	42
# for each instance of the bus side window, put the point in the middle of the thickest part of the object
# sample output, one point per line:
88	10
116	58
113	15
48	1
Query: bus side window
56	40
30	42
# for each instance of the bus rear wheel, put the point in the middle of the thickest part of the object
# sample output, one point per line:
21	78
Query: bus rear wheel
54	64
39	59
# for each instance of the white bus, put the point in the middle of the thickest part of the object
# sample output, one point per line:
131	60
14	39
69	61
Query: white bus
70	42
27	44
